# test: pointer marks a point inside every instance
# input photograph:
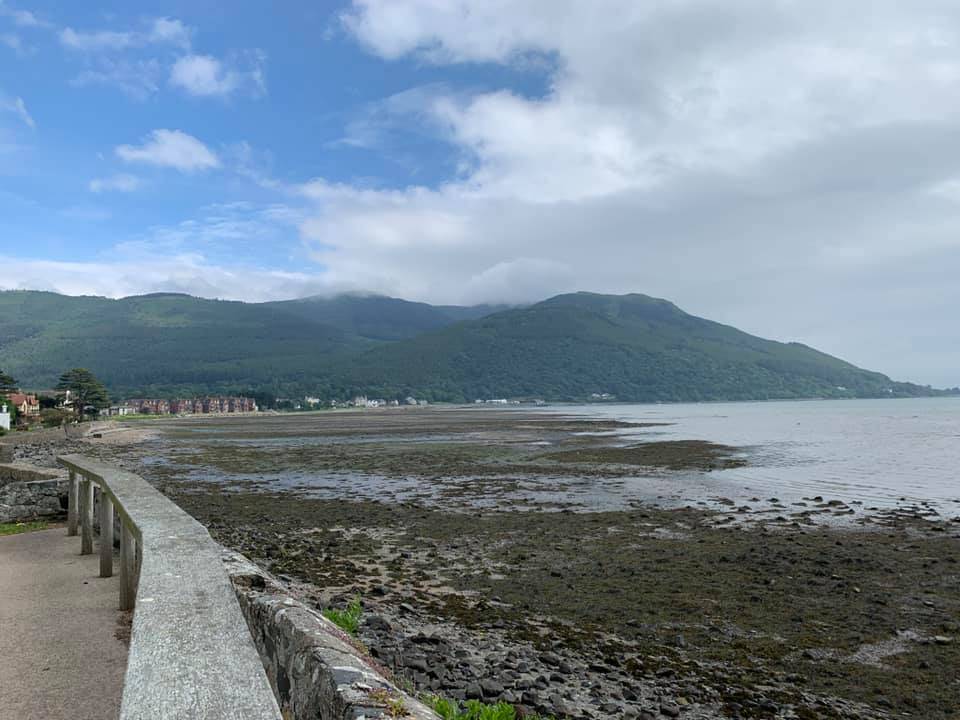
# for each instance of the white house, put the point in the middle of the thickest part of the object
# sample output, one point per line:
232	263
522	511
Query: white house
119	410
4	418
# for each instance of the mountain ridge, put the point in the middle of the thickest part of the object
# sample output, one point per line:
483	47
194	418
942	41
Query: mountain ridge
567	347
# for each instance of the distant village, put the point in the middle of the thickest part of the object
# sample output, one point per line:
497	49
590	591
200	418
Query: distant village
30	406
361	401
57	407
219	405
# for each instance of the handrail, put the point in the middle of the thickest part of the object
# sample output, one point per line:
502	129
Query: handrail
191	654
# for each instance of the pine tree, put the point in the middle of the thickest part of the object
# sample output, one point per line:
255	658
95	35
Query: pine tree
7	384
85	390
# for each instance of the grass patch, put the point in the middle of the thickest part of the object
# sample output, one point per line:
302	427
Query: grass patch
349	619
22	527
393	704
475	710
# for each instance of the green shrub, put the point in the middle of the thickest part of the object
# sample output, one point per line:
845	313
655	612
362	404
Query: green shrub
474	710
349	619
444	707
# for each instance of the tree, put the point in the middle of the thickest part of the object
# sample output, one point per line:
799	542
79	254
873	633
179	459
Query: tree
7	384
85	390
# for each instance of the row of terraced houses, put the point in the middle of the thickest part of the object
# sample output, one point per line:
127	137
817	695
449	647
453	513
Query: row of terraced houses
192	406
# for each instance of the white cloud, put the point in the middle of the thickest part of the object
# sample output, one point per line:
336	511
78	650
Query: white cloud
215	254
643	91
135	60
122	182
159	31
227	233
137	78
205	75
99	40
14	42
22	18
170	148
189	273
18	108
122	58
252	164
170	31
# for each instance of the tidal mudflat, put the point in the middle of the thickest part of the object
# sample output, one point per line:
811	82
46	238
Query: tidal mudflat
585	568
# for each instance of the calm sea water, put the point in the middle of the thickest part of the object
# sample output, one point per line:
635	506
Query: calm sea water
879	452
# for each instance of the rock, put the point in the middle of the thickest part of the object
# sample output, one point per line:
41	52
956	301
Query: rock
491	688
378	623
531	698
418	663
942	639
550	658
669	710
524	682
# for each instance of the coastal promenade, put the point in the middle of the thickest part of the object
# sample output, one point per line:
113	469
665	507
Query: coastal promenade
190	652
60	656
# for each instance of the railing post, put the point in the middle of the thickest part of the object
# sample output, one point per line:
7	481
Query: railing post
106	535
127	553
72	505
86	517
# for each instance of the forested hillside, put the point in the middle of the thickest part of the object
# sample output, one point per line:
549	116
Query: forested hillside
376	317
632	347
158	344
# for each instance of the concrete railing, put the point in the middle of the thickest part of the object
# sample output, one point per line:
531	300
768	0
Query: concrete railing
191	654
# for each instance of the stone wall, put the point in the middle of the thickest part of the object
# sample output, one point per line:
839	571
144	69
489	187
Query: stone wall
316	670
70	431
29	494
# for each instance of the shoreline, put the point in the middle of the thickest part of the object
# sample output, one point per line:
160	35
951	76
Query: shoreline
639	612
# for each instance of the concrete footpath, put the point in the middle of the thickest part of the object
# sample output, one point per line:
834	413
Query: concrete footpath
59	653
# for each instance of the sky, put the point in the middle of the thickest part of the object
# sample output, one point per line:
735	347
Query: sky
790	167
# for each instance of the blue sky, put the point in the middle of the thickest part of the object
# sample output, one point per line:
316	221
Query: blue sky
67	194
789	168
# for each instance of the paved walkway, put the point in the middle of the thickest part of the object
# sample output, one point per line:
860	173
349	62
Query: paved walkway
59	655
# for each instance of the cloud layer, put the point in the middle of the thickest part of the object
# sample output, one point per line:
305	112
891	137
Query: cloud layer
788	167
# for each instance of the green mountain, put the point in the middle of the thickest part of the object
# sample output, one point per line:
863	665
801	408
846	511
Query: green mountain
633	347
377	317
167	343
162	343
